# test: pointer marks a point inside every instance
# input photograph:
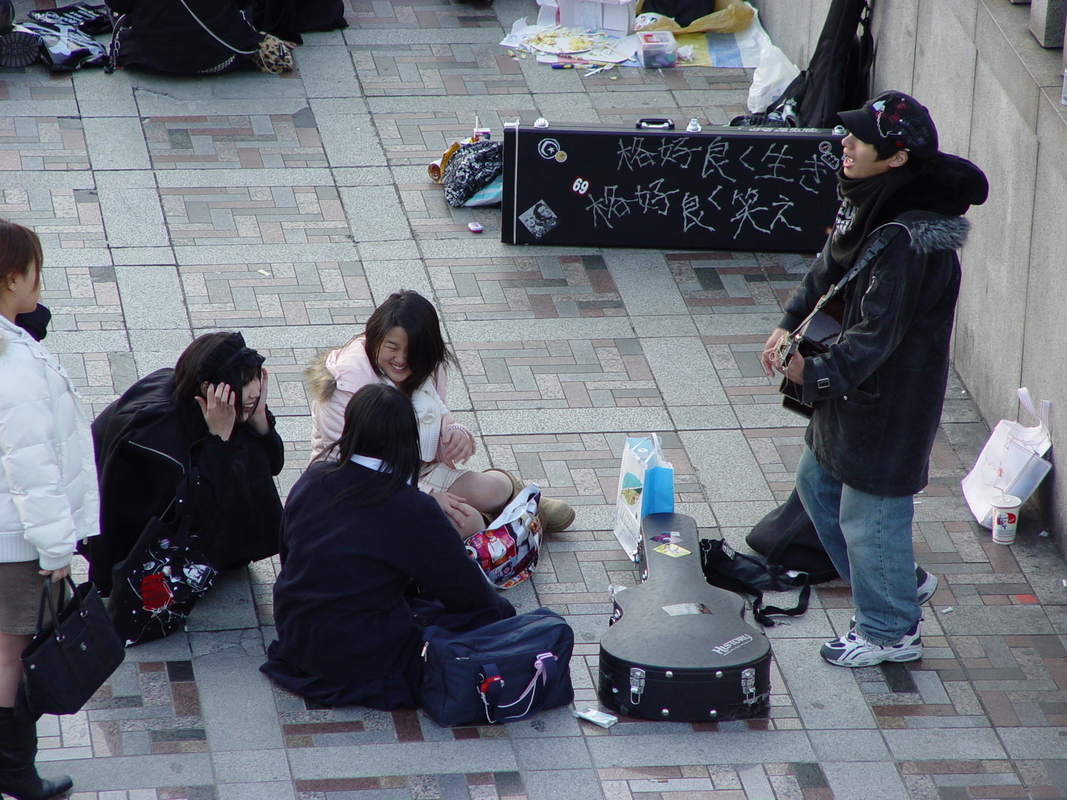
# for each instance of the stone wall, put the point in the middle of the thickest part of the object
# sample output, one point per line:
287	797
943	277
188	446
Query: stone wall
994	93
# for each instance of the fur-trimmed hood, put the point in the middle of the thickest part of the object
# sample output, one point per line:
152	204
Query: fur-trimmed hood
945	186
320	381
347	368
932	232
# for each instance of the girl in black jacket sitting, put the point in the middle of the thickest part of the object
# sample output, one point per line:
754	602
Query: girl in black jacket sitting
207	417
368	561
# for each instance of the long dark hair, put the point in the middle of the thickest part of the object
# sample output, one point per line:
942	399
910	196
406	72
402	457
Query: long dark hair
426	346
379	423
214	357
19	247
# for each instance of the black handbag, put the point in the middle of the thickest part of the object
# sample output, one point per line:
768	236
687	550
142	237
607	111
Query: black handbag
502	672
156	586
470	169
72	653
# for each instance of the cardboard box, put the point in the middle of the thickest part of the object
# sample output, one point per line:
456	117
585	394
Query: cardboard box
614	17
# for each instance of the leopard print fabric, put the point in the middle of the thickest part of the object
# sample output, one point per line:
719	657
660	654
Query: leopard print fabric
274	55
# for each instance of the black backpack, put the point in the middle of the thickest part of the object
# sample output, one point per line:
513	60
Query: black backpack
751	575
787	538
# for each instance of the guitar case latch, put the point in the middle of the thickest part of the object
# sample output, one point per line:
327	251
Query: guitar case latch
637	684
748	685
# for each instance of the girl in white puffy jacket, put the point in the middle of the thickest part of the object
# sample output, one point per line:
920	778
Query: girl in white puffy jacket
48	496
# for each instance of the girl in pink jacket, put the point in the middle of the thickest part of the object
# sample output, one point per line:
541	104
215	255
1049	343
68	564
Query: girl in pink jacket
402	346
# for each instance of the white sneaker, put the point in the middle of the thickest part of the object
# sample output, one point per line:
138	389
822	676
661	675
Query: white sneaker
927	584
852	650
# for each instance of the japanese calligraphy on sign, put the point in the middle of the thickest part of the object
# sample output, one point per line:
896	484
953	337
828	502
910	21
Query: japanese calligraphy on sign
724	188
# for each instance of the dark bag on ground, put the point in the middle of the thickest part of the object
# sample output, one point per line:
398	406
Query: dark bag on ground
503	672
66	48
787	538
156	586
752	575
681	11
93	20
73	652
470	169
838	74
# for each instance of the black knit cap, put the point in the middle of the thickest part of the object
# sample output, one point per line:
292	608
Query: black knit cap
229	363
896	119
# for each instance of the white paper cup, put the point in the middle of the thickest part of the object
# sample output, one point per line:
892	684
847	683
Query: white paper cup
1005	518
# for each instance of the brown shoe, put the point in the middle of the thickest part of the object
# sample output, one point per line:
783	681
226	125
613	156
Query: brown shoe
556	515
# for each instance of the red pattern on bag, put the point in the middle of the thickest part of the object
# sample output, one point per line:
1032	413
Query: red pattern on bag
156	595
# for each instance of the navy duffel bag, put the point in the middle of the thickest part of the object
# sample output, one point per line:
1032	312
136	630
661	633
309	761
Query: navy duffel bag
502	672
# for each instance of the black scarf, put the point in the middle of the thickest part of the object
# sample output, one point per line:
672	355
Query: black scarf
862	205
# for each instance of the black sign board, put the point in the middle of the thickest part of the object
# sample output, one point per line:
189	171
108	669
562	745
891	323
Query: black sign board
723	188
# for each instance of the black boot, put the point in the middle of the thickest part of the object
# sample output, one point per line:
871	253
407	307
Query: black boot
18	751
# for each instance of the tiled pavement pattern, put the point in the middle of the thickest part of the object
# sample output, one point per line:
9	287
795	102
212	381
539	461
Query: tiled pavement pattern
288	207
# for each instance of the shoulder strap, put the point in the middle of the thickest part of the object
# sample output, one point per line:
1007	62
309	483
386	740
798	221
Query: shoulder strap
868	256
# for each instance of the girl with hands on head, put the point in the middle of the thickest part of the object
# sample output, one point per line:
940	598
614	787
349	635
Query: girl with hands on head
218	402
207	417
403	346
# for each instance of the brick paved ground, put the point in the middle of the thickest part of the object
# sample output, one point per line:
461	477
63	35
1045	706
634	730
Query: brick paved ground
288	207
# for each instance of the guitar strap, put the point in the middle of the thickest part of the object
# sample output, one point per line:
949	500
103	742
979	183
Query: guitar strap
869	255
791	342
861	262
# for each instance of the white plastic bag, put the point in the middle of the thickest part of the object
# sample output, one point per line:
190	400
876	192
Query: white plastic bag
771	78
1011	462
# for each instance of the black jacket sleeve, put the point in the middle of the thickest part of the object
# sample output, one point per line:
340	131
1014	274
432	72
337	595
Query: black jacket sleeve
816	281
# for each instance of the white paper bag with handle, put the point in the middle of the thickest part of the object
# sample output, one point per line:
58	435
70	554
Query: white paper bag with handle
646	486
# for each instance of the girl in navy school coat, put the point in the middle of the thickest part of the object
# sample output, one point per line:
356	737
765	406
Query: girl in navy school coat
368	560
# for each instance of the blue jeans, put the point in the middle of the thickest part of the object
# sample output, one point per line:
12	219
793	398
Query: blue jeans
869	540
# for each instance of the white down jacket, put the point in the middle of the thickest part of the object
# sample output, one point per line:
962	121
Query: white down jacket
48	492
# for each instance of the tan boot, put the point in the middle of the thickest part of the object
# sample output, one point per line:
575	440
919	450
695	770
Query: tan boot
556	515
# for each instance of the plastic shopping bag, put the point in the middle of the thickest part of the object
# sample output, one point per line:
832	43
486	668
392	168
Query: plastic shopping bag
507	550
1011	462
646	486
772	76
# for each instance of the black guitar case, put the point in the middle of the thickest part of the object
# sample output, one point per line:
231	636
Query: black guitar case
676	647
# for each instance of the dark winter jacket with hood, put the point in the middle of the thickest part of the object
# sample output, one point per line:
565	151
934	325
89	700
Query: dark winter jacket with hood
879	390
145	447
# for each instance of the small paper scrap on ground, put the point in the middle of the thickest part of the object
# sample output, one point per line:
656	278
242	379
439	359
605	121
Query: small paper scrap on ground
600	718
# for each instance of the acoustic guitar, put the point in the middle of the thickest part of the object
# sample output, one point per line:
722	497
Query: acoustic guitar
820	329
